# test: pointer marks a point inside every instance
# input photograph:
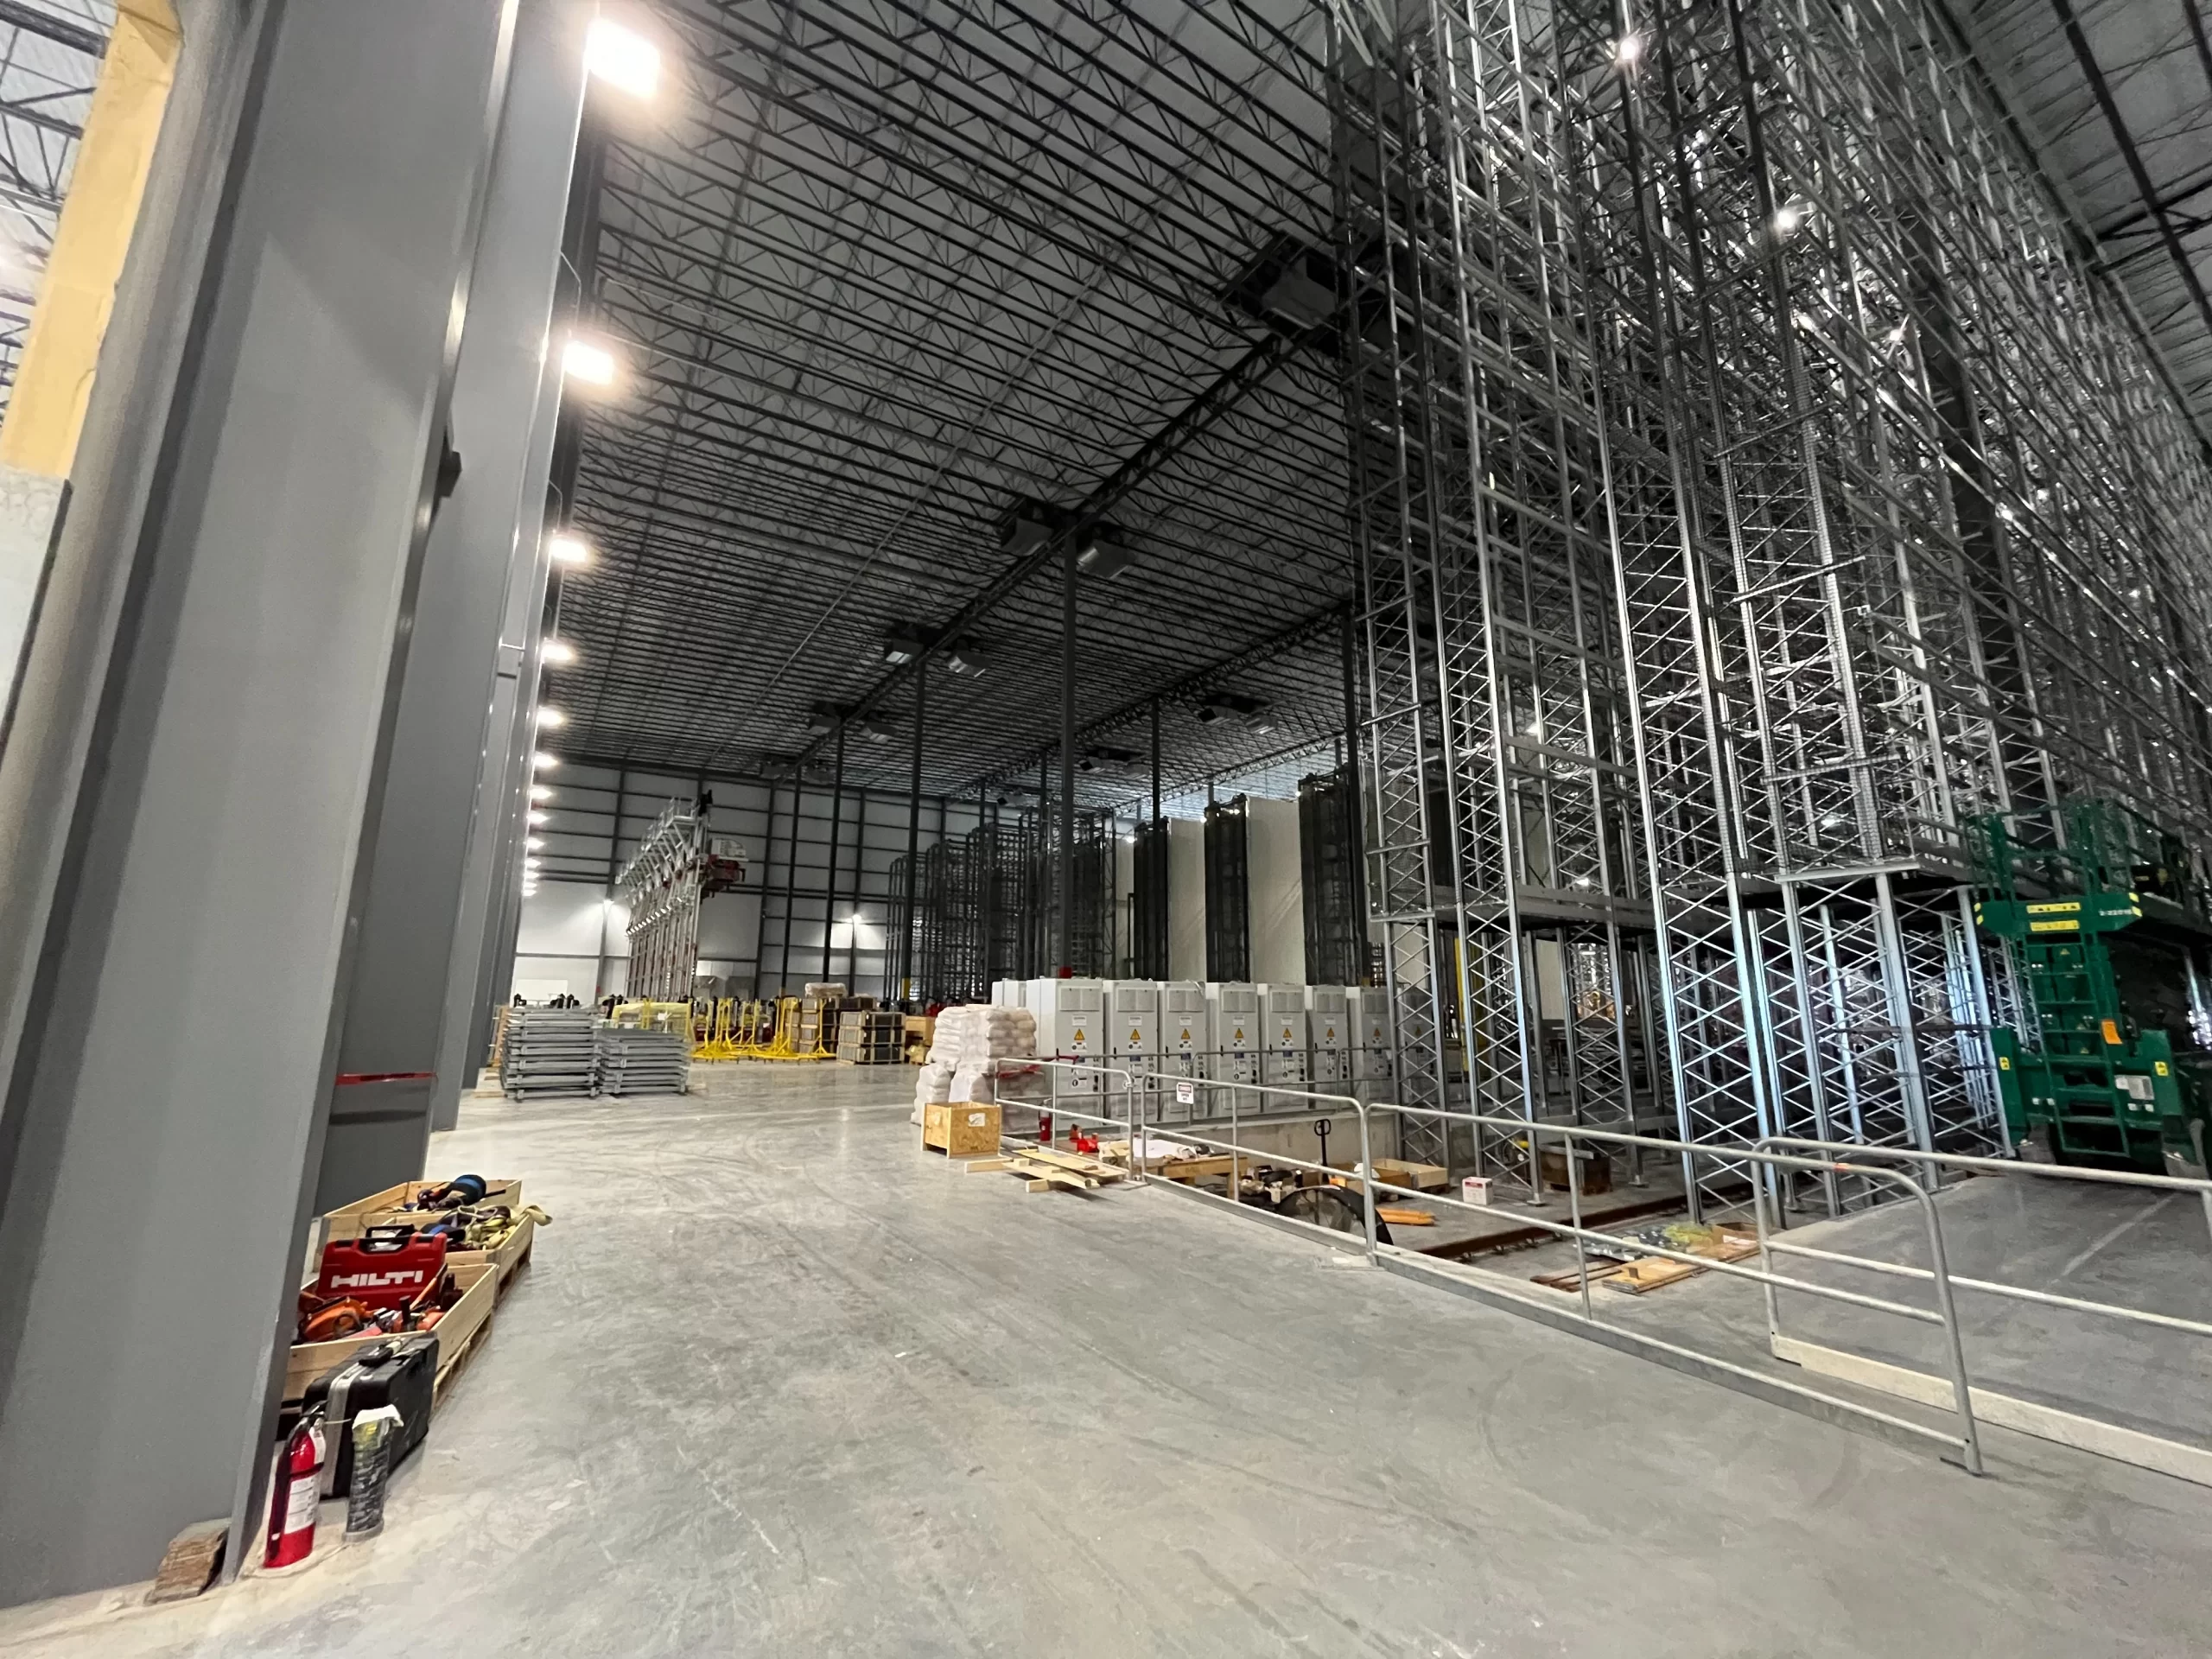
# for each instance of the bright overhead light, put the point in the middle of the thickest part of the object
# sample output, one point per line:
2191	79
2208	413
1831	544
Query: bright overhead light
533	863
584	360
622	58
550	717
568	548
559	651
544	762
536	816
1788	219
1628	48
540	792
535	844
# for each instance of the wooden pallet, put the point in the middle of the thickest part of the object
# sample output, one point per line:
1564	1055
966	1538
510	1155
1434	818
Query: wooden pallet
1652	1273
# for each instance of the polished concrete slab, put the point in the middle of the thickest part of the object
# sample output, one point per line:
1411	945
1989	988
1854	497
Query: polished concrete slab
780	1383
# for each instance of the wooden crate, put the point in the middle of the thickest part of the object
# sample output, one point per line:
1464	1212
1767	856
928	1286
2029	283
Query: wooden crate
961	1128
351	1220
456	1332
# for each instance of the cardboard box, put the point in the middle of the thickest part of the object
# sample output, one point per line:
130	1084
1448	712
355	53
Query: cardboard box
961	1128
478	1282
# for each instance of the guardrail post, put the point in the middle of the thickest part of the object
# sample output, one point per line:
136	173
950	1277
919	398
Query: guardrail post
1574	1215
1961	1390
1366	1176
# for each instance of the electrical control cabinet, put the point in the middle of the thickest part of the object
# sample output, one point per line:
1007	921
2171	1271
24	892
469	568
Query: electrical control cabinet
1185	1047
1329	1033
1238	1042
1371	1056
1133	1037
1282	1061
1071	1025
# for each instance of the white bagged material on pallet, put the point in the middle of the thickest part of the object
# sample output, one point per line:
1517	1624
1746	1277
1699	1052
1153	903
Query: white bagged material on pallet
932	1087
973	1034
974	1087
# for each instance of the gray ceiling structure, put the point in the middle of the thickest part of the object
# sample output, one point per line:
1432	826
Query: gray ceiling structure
2114	98
881	269
885	268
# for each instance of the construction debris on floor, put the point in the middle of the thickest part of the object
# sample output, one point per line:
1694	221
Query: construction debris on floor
1635	1274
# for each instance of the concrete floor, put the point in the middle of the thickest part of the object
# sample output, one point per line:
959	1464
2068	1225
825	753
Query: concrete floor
778	1383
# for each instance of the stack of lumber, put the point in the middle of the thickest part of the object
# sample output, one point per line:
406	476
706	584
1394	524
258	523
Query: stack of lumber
627	1061
548	1051
1043	1169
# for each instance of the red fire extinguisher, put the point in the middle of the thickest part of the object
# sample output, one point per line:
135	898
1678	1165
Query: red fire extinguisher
295	1495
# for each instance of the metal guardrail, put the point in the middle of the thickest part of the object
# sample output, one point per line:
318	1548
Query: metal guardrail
1969	1403
1963	1445
2078	1429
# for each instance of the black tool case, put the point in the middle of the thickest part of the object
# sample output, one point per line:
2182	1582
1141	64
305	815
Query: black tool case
400	1371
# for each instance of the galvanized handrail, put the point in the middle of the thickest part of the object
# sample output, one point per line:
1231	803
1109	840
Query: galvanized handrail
2018	1167
1944	1314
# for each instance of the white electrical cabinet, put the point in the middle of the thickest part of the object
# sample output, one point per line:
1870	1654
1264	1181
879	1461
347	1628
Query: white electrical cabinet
1282	1061
1329	1031
1371	1065
1239	1040
1185	1047
1133	1035
1072	1025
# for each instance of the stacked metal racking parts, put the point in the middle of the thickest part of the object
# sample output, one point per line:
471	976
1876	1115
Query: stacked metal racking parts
1751	487
678	863
548	1052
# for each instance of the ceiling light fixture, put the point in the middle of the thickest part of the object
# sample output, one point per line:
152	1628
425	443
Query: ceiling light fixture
537	818
540	792
550	717
544	762
586	361
568	548
559	651
535	844
622	58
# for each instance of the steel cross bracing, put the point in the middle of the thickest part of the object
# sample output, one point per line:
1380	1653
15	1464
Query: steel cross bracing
1764	324
1501	856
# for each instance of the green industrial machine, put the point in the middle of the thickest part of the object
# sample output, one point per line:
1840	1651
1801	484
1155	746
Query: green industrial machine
2107	928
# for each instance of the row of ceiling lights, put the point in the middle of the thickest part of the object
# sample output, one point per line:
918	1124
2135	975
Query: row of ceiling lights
625	60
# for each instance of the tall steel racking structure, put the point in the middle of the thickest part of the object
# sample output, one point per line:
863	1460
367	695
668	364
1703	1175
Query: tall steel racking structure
1751	486
984	906
679	863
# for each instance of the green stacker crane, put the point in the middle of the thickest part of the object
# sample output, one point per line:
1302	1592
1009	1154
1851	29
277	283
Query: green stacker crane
2107	923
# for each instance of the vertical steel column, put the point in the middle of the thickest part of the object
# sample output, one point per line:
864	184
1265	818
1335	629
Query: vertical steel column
1155	760
260	664
913	828
859	876
613	869
837	813
1066	880
790	880
396	1010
